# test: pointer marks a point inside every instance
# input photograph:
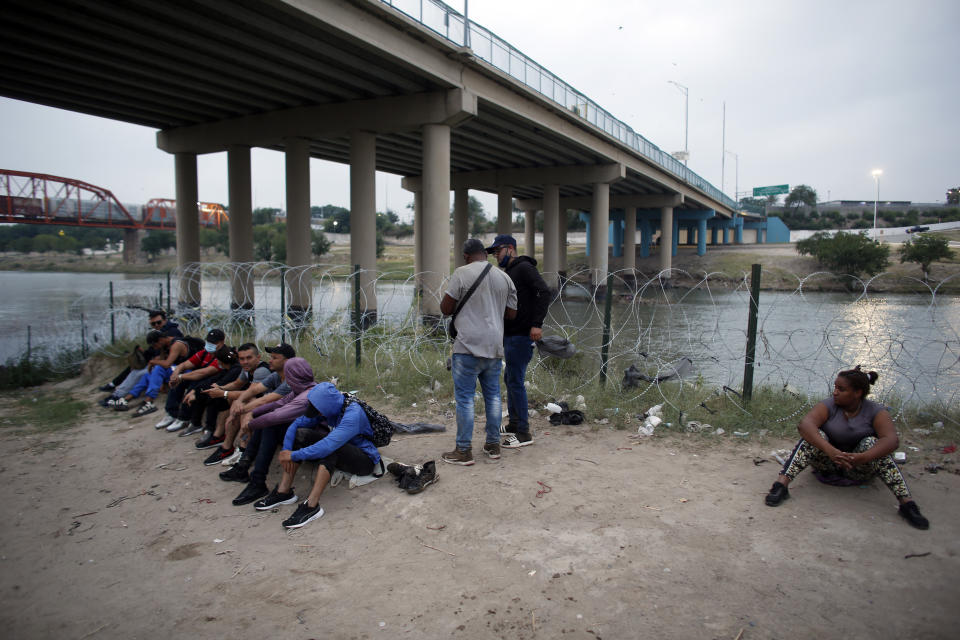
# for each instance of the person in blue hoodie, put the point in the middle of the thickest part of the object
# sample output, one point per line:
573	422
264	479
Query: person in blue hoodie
335	437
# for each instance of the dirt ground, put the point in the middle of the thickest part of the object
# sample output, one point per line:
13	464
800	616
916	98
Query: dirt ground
114	530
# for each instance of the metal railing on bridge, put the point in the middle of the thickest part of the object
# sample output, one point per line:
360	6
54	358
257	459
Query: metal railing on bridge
486	45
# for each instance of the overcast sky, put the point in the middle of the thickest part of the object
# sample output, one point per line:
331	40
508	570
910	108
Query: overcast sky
817	92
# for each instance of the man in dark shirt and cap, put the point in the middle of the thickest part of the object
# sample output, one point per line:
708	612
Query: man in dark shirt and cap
520	334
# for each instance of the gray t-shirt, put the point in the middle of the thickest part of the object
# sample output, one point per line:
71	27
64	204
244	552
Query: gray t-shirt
274	384
846	433
259	374
480	321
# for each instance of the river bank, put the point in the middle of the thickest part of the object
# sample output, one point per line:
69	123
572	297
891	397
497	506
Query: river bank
728	265
114	529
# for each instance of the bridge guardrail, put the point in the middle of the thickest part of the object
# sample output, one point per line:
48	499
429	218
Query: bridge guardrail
486	45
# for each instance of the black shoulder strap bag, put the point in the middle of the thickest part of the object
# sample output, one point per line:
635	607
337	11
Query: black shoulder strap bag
451	328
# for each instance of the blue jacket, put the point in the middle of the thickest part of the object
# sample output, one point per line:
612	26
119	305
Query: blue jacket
352	428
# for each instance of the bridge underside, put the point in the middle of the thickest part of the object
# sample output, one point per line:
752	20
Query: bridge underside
351	81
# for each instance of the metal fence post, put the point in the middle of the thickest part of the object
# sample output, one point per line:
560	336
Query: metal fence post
356	312
751	333
169	306
113	320
83	337
605	347
283	303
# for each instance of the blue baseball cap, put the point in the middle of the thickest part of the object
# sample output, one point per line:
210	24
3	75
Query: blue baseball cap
501	240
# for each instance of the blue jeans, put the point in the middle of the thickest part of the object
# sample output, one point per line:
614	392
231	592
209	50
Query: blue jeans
151	382
517	352
467	369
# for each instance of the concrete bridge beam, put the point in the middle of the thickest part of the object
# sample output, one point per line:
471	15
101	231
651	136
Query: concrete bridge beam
630	240
299	253
551	235
363	219
436	217
599	224
461	223
667	238
188	231
241	226
504	208
530	232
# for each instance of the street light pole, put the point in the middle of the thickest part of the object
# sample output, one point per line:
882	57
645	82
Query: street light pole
686	119
876	177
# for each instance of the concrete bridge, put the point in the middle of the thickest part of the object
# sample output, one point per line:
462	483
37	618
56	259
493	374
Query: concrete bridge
404	87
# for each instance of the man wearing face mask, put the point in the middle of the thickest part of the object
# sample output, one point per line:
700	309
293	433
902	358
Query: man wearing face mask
189	373
519	334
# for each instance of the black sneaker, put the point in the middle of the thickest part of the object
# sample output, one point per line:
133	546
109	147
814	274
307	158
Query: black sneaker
236	473
911	513
105	403
517	440
108	387
209	442
303	515
251	493
510	427
190	429
275	499
428	475
218	456
778	493
120	404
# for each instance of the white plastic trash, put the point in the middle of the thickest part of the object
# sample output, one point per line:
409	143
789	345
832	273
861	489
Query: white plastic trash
649	425
655	410
900	456
552	407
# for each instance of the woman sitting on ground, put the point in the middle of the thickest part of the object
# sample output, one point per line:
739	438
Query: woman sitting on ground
848	439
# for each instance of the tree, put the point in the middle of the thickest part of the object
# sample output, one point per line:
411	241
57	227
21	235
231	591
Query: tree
319	243
801	195
157	241
846	253
753	205
264	215
953	195
337	220
925	250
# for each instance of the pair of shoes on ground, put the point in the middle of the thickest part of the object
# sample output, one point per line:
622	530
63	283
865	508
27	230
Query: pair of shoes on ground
218	456
464	457
414	479
908	510
303	515
517	440
189	429
239	472
108	387
172	424
208	441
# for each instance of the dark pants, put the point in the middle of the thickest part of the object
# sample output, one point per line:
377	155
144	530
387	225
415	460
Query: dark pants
517	351
270	439
348	458
121	377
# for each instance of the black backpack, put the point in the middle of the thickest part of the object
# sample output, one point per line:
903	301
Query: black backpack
383	427
194	344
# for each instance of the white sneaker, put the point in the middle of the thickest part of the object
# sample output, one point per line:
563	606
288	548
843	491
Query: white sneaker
176	425
232	460
167	419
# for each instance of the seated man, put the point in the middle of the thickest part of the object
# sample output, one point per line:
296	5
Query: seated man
271	389
198	401
336	438
188	374
271	421
223	396
158	322
171	352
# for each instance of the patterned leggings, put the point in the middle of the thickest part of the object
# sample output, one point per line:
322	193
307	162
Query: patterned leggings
885	468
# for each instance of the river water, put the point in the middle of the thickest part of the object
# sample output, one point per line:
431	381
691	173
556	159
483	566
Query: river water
804	336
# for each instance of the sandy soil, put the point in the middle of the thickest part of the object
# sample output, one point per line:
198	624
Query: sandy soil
586	534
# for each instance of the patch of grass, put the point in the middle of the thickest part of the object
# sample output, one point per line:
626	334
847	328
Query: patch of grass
39	413
34	371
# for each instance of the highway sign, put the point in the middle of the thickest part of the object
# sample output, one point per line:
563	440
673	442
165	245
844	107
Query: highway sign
771	191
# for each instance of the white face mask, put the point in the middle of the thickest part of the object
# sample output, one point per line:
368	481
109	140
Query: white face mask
209	347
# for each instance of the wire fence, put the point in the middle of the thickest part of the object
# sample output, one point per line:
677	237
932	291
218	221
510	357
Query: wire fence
906	329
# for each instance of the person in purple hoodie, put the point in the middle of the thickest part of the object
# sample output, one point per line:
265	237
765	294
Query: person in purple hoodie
335	434
271	420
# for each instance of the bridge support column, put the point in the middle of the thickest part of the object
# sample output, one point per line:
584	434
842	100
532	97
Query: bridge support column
363	219
726	235
188	234
551	235
701	237
530	233
713	235
461	224
630	240
646	238
131	245
599	228
504	209
738	232
418	242
667	238
298	230
616	235
436	217
676	236
562	263
241	228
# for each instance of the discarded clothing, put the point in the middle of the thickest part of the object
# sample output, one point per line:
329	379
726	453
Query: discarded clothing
632	376
419	427
556	346
567	417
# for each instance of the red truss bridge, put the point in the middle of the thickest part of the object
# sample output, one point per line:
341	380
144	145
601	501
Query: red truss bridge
38	198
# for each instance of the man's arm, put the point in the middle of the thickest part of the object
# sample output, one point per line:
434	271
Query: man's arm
176	350
200	374
259	402
541	303
447	305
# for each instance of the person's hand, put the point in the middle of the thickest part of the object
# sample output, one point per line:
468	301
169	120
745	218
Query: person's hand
289	466
536	333
213	391
840	459
235	410
244	432
856	459
174	380
190	397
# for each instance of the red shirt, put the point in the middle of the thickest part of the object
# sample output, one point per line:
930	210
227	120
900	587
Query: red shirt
202	359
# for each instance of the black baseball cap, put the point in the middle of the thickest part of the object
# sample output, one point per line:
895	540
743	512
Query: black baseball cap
215	336
283	349
501	240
